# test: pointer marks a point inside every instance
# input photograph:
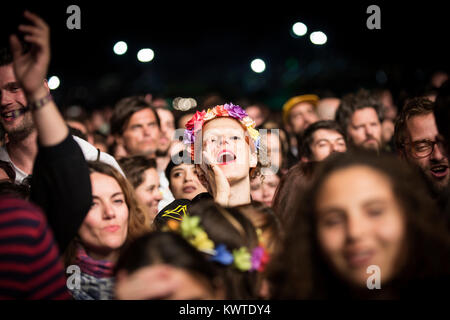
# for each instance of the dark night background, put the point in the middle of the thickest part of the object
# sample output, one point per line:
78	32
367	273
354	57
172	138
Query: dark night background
201	47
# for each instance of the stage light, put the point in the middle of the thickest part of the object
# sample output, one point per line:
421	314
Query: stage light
299	29
120	48
258	65
318	38
145	55
53	82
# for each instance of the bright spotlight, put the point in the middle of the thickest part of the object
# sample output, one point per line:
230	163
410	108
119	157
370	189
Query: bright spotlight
53	82
120	48
299	29
145	55
318	38
258	65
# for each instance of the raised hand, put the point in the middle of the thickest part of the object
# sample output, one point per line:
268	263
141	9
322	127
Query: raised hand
217	182
31	68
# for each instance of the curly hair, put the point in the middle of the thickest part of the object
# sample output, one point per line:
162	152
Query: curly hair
352	102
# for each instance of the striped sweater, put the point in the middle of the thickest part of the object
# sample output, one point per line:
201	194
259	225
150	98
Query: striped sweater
30	265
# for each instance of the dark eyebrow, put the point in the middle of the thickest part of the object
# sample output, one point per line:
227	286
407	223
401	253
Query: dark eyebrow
10	85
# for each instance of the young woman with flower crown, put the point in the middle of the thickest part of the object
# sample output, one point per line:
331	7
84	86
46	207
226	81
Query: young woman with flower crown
224	146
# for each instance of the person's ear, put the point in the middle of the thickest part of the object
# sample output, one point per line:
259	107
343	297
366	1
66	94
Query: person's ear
46	85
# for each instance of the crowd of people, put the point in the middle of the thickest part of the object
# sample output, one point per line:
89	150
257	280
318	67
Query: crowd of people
221	201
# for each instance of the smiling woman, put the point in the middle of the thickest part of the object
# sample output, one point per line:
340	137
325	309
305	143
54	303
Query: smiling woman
115	218
362	212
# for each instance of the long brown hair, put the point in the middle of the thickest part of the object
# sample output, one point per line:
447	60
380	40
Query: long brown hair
138	223
300	270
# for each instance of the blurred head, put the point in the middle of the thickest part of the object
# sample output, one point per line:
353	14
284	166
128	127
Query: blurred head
299	112
142	174
360	116
263	187
167	129
136	126
419	142
326	108
360	211
232	229
321	139
115	216
196	277
258	112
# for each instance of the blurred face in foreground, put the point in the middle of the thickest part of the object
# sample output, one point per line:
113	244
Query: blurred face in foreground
359	224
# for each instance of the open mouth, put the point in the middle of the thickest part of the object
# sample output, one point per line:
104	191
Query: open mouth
13	114
225	157
439	171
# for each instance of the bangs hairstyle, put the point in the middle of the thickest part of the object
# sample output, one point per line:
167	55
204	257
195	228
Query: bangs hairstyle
124	110
135	166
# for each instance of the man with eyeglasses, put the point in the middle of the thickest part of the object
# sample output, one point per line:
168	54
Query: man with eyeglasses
418	141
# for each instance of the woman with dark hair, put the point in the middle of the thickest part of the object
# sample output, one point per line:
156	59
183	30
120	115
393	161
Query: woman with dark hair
176	269
238	252
363	215
285	202
115	218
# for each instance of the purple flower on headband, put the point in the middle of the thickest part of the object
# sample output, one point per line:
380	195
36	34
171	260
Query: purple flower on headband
188	137
257	258
235	111
223	256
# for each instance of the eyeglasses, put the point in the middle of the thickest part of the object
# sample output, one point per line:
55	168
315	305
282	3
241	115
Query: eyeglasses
423	148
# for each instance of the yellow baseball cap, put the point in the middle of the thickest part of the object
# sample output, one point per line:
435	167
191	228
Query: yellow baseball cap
312	98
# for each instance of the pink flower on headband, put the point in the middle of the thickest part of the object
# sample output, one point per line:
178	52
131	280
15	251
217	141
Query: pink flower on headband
259	259
198	118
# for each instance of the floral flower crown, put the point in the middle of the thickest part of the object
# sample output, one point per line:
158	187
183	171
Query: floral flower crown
227	110
240	258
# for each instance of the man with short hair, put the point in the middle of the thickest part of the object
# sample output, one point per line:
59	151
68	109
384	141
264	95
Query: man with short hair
136	126
418	141
321	139
360	116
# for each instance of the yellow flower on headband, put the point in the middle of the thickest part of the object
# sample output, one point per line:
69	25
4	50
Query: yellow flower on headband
242	259
190	226
201	241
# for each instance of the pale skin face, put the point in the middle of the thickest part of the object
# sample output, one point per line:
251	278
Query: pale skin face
12	98
263	188
326	142
224	139
167	128
184	182
301	116
104	230
364	129
360	224
148	192
255	113
435	166
141	135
